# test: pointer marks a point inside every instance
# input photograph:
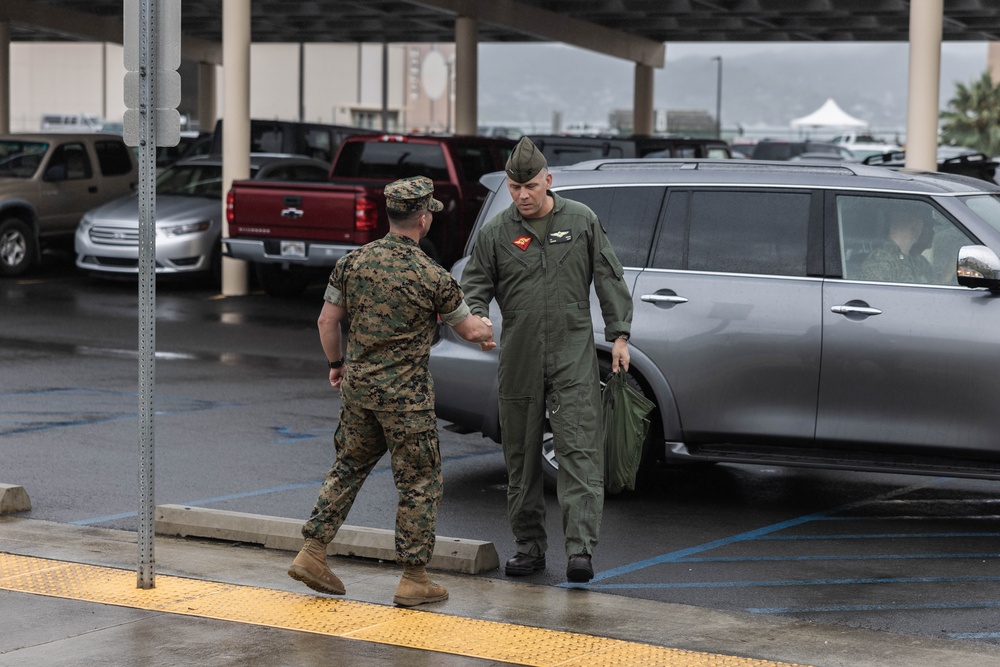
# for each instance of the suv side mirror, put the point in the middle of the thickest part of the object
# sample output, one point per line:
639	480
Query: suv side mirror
978	266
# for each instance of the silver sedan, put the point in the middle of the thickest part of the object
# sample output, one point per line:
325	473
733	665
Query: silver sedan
188	216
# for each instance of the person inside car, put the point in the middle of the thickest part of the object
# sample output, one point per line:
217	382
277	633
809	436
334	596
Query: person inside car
900	258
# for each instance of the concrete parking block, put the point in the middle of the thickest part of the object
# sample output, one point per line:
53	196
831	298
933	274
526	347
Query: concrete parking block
450	553
13	498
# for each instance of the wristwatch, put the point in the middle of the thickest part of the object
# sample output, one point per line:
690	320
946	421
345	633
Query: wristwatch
622	337
336	364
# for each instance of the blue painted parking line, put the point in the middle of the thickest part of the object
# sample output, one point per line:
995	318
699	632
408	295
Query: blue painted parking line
261	492
684	555
59	408
795	582
872	536
873	607
752	559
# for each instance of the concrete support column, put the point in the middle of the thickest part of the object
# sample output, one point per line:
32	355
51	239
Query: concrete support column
642	100
4	77
236	126
208	111
993	61
926	19
466	75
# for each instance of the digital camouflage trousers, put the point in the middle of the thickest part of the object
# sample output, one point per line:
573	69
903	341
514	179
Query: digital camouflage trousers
362	437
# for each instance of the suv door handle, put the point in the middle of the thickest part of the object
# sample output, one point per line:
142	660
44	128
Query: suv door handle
848	309
663	298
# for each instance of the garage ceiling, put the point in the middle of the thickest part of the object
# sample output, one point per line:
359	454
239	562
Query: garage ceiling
657	20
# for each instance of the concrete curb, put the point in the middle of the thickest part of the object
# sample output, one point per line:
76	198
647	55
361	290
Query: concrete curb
450	553
15	499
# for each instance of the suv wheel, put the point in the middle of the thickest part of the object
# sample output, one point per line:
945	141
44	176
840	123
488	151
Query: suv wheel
550	464
17	247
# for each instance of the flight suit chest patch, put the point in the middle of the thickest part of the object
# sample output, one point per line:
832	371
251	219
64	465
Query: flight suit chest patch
564	236
522	242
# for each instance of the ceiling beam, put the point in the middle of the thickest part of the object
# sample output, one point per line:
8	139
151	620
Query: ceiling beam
91	27
555	27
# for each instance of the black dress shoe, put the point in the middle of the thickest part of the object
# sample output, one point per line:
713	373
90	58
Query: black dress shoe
579	569
524	564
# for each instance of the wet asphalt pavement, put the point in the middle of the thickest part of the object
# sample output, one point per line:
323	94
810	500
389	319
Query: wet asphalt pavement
244	422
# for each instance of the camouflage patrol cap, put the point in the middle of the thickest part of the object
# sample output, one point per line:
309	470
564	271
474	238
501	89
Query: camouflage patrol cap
408	195
525	161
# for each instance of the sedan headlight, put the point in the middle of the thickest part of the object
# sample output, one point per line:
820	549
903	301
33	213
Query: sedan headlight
86	222
187	228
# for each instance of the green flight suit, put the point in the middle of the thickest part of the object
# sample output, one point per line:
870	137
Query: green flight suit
547	354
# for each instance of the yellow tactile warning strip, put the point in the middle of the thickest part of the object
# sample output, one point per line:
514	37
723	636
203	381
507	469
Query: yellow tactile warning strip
489	640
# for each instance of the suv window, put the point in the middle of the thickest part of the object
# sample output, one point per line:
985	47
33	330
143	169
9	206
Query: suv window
318	143
628	215
762	233
475	161
897	240
391	160
72	160
113	158
563	155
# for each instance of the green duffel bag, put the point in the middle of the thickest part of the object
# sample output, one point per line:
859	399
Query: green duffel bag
626	422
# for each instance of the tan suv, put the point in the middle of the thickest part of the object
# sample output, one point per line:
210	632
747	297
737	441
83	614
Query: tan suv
48	181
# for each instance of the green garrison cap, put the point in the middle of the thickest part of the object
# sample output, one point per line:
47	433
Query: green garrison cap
525	161
411	194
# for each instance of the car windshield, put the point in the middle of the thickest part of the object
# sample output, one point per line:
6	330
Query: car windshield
986	207
20	159
202	180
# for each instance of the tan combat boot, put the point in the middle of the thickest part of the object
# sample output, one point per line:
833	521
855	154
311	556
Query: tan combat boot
311	569
415	587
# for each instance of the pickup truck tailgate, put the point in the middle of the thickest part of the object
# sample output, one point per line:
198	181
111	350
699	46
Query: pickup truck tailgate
301	211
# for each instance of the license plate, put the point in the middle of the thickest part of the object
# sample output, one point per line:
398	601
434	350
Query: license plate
293	249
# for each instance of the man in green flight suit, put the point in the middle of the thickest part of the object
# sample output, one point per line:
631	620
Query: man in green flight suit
538	259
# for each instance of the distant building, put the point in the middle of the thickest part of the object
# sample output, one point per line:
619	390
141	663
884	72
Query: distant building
341	84
695	122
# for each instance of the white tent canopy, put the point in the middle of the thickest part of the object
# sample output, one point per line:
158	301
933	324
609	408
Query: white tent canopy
829	116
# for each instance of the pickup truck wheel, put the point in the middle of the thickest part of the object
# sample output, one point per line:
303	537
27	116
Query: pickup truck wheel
279	282
17	247
550	464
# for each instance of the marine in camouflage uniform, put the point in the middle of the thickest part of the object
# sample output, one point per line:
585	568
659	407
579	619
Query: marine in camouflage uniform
392	294
899	259
888	263
538	259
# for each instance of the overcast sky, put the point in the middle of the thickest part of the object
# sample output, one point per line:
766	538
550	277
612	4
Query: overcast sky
766	84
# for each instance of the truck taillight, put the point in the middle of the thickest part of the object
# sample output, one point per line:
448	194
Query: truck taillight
229	207
365	214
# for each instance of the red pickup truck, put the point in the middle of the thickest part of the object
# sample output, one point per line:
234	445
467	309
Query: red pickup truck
288	230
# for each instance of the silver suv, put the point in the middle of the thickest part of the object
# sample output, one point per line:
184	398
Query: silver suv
772	323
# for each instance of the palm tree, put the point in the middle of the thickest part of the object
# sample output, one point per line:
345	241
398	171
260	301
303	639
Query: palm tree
973	116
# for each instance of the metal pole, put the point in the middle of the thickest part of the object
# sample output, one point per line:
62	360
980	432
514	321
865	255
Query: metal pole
147	288
385	86
718	98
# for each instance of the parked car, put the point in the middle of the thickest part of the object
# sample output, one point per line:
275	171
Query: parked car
315	140
771	149
192	144
951	160
47	181
864	145
561	149
294	234
188	216
755	332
